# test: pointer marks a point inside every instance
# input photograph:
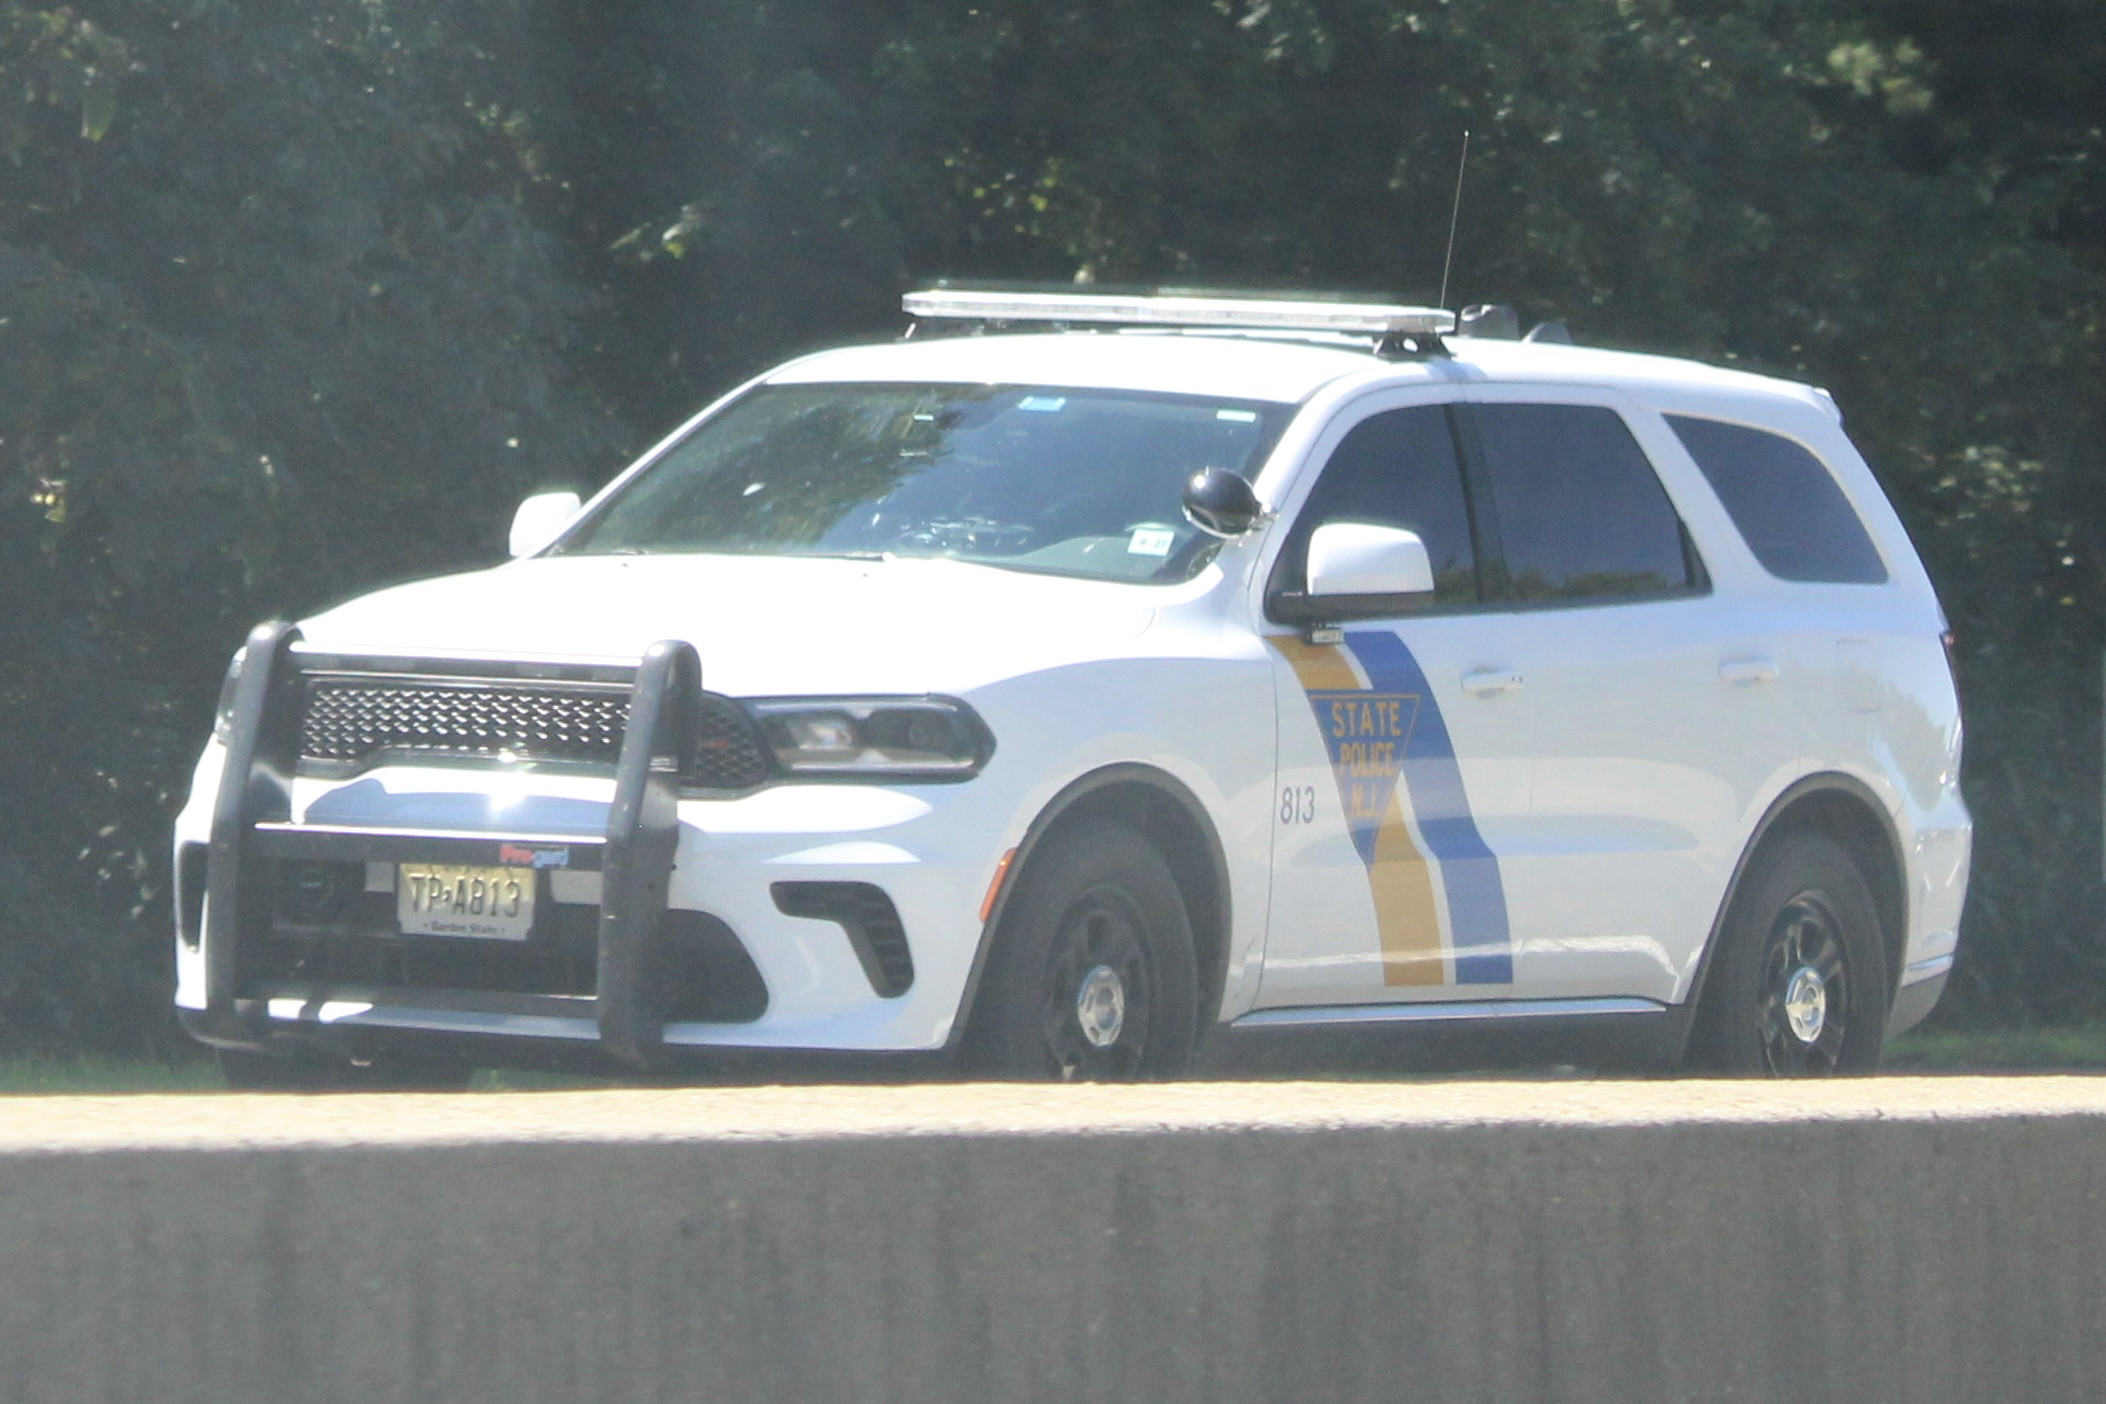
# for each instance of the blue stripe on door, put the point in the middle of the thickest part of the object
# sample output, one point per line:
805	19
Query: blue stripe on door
1478	929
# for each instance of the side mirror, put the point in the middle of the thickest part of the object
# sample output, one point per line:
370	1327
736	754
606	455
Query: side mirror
1353	558
1220	503
540	519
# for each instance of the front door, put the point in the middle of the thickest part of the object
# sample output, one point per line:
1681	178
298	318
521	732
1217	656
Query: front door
1404	750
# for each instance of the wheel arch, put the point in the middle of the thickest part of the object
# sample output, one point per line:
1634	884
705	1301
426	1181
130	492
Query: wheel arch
1166	811
1844	809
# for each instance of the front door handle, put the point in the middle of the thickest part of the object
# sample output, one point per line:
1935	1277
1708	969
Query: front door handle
1743	671
1490	682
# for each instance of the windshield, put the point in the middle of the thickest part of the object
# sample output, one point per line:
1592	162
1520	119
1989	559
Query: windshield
1072	482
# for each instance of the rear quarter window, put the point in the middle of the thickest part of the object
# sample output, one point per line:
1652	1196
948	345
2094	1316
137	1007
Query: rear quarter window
1785	503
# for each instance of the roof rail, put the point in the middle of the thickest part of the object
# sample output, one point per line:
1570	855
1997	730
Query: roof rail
1176	310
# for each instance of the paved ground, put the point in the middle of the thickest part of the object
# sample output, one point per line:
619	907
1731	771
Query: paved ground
189	1120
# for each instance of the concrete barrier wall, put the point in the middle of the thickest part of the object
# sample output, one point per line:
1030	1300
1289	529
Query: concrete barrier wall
1895	1239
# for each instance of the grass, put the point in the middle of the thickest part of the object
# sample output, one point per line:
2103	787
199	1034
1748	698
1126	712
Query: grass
92	1074
2068	1048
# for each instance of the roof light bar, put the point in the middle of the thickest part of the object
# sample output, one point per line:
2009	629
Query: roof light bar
1241	313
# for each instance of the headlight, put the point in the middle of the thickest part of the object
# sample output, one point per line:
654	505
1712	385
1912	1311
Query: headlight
223	719
933	738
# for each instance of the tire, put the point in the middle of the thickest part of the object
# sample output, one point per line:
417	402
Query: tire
1092	977
310	1070
1800	986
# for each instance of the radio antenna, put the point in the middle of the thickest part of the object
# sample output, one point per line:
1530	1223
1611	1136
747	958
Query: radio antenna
1454	216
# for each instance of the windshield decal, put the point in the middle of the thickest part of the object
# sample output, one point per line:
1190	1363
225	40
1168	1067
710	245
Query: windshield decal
1151	541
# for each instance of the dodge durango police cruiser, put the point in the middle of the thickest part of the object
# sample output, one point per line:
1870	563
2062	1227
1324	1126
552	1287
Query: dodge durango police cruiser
1081	680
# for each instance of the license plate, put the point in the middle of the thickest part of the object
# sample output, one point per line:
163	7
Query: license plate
441	899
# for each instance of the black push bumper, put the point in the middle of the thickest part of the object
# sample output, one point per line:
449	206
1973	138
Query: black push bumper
252	824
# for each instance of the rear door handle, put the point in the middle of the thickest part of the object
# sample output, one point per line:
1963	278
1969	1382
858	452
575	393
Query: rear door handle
1743	671
1490	682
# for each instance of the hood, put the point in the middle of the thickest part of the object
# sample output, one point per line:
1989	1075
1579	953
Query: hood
762	624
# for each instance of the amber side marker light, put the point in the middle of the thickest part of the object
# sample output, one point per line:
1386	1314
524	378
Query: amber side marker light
994	888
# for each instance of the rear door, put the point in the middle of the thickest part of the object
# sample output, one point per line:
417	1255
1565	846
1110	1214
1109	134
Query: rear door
1656	702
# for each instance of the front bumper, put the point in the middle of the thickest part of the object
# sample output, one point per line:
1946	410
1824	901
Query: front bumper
653	899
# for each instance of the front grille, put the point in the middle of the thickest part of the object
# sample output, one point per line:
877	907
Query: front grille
349	723
727	757
322	927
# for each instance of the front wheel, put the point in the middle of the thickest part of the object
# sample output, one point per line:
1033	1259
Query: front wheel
1800	986
1091	978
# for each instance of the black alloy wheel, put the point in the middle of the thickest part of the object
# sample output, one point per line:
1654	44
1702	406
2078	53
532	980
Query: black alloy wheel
1096	990
1805	990
1799	985
1091	978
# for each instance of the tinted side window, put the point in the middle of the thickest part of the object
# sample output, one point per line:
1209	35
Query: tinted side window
1581	513
1784	501
1399	469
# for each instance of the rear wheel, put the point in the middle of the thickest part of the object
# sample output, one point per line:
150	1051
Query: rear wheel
1092	975
1800	986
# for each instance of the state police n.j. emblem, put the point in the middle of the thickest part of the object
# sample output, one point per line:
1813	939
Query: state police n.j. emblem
1388	744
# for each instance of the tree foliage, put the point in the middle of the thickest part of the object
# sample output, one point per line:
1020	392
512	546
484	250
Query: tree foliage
279	319
297	298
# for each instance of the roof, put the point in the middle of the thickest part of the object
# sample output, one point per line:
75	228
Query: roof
1232	367
1253	367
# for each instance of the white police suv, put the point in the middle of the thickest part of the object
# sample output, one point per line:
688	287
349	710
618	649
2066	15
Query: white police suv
1108	676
